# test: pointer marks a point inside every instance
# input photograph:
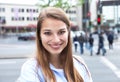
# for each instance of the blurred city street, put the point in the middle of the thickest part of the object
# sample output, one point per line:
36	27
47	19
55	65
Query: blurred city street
103	68
19	22
13	53
13	48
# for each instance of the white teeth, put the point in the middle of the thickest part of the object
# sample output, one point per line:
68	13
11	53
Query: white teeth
55	46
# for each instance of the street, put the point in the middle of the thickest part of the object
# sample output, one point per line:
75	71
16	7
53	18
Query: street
103	68
10	69
13	48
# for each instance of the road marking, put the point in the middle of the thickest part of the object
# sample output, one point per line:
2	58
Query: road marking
11	45
4	46
111	66
7	62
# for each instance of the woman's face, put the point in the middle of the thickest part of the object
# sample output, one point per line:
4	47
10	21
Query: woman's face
54	35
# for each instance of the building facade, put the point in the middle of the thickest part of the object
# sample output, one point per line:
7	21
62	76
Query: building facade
19	18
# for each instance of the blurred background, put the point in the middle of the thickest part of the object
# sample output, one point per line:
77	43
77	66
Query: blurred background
18	22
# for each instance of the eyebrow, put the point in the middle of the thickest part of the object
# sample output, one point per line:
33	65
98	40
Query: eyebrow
62	29
50	30
46	30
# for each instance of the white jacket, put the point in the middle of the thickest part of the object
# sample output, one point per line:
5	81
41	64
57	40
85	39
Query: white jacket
31	73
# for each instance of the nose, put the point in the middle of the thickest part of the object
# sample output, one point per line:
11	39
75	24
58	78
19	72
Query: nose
56	38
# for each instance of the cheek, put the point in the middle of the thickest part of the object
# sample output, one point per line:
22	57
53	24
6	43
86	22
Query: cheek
65	37
44	39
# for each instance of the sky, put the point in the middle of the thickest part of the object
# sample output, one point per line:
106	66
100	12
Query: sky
30	2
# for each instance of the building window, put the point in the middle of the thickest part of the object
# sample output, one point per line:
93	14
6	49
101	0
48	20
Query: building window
36	10
12	9
28	18
2	20
17	18
72	18
27	10
22	10
32	10
22	18
71	11
2	9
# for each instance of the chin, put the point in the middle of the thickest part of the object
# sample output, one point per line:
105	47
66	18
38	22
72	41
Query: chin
56	52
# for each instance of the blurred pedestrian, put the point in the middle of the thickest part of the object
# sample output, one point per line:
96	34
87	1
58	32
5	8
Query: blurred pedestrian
54	61
91	41
75	41
110	38
81	40
86	40
101	45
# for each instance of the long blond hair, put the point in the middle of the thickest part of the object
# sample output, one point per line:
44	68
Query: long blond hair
66	55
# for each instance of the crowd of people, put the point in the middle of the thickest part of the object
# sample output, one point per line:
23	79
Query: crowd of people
83	40
87	41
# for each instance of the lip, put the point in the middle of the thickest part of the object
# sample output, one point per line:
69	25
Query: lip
55	46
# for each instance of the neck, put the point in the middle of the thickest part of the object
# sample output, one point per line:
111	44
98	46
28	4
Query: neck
55	61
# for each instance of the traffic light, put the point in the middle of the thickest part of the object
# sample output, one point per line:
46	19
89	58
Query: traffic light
98	19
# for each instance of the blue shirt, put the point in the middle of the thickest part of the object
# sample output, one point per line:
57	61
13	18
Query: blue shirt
31	73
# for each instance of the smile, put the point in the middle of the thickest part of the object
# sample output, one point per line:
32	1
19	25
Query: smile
55	46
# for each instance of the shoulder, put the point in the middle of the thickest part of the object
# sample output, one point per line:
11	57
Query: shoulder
29	72
79	63
78	58
82	68
30	64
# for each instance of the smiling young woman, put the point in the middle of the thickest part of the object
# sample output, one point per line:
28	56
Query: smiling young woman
54	61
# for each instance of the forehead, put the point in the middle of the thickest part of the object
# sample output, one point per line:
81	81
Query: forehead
50	23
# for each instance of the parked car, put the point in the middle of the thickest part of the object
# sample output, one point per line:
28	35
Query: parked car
26	36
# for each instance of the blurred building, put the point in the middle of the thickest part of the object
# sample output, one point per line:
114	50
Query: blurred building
75	16
86	15
109	12
17	18
20	18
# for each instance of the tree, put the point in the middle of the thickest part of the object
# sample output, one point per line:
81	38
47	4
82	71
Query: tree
64	4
